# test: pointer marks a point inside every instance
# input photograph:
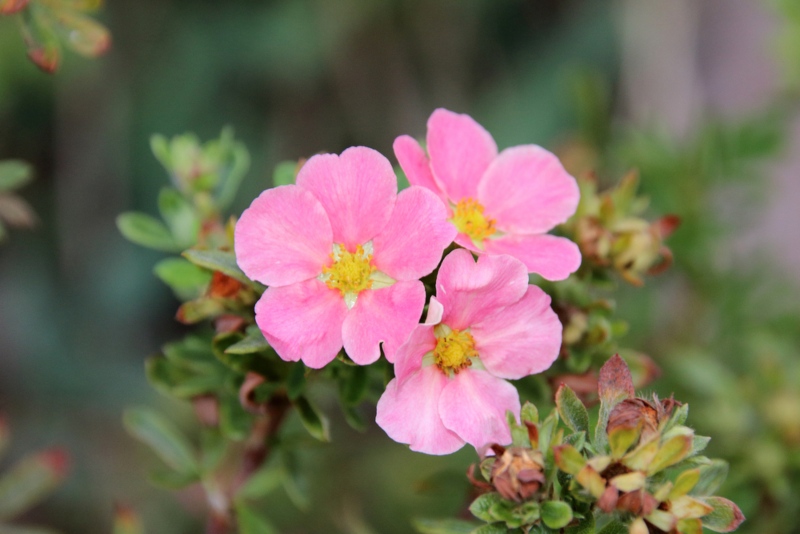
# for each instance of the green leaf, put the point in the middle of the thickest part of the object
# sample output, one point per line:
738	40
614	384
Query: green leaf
315	421
712	475
483	505
253	342
529	413
186	279
442	526
492	529
285	173
5	437
235	422
354	418
402	179
726	516
213	448
251	522
160	148
556	514
699	443
173	480
615	527
163	437
146	231
233	170
296	381
294	482
353	385
29	481
263	481
586	526
216	260
14	174
181	218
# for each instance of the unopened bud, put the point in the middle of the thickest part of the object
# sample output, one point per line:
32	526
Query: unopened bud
517	473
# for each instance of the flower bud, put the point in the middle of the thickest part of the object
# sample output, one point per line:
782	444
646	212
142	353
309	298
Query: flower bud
517	473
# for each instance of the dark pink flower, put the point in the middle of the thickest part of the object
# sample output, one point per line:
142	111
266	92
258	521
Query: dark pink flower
500	203
485	325
342	254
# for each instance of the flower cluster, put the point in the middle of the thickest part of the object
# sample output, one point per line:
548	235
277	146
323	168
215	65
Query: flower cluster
342	254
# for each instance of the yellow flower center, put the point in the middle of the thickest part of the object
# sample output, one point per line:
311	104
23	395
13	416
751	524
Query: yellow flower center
350	272
453	350
469	219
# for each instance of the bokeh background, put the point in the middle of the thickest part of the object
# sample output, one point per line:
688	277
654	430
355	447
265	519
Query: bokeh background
700	95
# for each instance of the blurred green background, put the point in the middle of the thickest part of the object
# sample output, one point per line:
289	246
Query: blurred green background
699	95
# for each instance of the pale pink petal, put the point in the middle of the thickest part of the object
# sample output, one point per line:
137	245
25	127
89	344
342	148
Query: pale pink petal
283	237
357	189
553	257
521	339
527	191
460	151
470	291
386	315
408	358
303	321
415	164
474	405
410	414
410	246
435	312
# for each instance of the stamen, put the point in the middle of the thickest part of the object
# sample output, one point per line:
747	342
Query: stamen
468	217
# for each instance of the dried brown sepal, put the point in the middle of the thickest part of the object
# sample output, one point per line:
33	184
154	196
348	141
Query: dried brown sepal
247	393
223	286
8	7
639	503
517	474
482	486
225	324
631	414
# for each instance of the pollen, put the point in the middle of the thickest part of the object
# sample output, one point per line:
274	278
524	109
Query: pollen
350	272
454	350
469	219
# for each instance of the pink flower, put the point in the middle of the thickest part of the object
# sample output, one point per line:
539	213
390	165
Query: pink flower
486	324
342	254
500	204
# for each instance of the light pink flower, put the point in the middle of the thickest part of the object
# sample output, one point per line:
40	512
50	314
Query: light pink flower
500	203
342	254
486	324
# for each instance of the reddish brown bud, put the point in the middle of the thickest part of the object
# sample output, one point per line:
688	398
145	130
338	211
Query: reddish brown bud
228	323
517	473
57	460
7	7
206	408
223	286
639	503
631	413
608	501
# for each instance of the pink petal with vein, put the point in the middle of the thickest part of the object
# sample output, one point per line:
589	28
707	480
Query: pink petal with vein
408	359
460	151
357	189
283	237
415	164
474	405
303	321
522	339
527	191
471	291
411	244
553	257
410	414
386	315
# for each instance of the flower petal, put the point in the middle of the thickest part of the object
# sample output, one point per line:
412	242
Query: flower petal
460	151
435	312
357	189
474	405
527	191
415	164
410	246
408	359
520	340
283	237
385	315
470	291
553	257
303	321
410	414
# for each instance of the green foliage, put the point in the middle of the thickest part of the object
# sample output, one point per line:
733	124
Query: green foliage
163	438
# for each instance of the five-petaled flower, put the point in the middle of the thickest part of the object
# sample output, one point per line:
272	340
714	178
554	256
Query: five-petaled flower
485	325
500	203
342	253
